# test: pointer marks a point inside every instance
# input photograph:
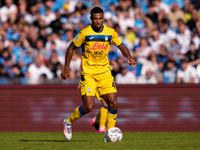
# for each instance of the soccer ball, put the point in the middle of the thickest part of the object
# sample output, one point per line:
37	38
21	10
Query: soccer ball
114	134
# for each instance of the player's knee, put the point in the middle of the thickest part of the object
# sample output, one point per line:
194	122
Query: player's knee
88	108
113	105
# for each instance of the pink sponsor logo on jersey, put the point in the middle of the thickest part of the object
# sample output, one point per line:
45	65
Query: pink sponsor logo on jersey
97	46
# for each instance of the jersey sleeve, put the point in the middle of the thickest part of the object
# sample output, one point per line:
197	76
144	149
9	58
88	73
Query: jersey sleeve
79	40
115	40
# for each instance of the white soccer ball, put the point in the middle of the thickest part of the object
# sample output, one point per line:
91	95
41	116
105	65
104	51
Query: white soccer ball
114	134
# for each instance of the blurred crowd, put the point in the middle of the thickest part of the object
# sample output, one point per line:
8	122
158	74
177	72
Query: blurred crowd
162	35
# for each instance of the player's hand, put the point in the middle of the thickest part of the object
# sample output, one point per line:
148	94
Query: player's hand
131	61
65	73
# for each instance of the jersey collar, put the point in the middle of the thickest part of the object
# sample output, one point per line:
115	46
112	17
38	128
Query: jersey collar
99	31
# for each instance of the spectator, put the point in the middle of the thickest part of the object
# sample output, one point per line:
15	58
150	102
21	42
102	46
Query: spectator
111	14
26	59
167	33
112	55
186	7
125	21
193	55
37	69
5	60
59	43
142	51
186	74
40	47
159	72
195	39
152	14
159	5
15	51
15	71
14	33
161	56
183	37
148	26
31	17
22	7
32	39
56	24
54	65
125	76
170	73
69	37
28	31
8	12
58	51
75	65
174	49
188	10
156	40
175	14
151	64
135	69
49	16
148	78
3	73
130	36
192	22
43	34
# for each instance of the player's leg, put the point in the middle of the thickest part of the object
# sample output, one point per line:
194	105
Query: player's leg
88	90
88	105
95	121
103	117
99	121
108	92
111	100
67	123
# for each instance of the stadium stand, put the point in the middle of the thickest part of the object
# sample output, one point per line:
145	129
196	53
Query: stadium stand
168	30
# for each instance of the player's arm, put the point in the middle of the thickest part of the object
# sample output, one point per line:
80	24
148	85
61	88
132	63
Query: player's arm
115	40
68	57
126	54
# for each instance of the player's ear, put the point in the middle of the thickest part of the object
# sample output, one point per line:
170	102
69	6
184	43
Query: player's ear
90	17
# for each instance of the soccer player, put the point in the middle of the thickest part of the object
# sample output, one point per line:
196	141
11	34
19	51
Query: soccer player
99	121
96	72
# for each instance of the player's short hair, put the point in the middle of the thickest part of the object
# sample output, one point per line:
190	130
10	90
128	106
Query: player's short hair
96	10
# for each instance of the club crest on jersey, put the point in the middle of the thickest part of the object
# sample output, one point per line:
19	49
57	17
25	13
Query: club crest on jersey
106	39
97	46
77	38
89	90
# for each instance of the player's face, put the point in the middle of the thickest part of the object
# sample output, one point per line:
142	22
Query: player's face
97	21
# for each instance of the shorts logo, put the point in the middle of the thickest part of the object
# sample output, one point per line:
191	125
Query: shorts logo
89	89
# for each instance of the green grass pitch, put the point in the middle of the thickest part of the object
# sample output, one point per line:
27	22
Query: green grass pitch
94	141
